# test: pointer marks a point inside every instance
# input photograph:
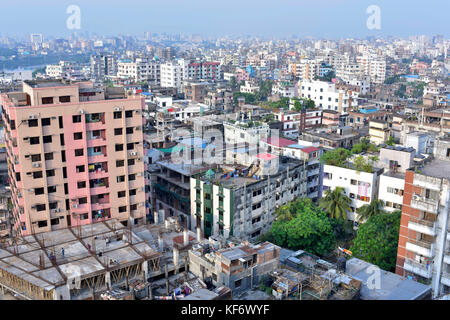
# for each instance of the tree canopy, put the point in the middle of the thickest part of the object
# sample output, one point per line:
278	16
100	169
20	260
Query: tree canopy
336	157
377	239
302	225
336	203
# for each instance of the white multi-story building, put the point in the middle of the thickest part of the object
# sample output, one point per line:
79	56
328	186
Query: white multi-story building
173	74
327	97
360	187
142	70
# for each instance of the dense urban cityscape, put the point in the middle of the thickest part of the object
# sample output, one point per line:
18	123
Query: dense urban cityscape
175	166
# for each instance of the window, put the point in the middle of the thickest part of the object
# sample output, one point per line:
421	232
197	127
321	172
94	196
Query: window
48	156
60	120
63	155
64	99
40	207
61	139
131	162
47	100
119	147
77	136
50	173
53	205
34	140
64	170
121	194
81	184
51	189
13	125
131	177
32	123
237	283
45	122
37	174
120	163
132	192
122	209
35	157
54	221
118	115
120	178
133	207
118	131
42	223
38	191
130	146
17	176
80	168
130	130
82	200
76	119
129	114
47	139
79	152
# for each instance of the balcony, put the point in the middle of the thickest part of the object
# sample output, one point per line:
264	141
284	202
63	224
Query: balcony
447	257
427	182
423	226
421	247
424	204
313	172
418	268
445	279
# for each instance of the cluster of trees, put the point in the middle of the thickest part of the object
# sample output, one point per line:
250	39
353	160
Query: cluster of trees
377	240
300	103
302	225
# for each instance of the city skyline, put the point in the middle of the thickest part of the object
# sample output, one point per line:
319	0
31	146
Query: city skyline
300	18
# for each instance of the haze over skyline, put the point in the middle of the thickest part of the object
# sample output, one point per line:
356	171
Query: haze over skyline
321	18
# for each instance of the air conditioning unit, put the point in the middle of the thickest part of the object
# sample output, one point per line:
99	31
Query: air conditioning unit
141	204
29	173
75	206
416	197
57	210
26	138
139	159
134	153
30	190
82	111
117	109
32	116
140	174
36	165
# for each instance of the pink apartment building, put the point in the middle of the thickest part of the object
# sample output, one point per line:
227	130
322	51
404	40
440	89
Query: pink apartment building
75	155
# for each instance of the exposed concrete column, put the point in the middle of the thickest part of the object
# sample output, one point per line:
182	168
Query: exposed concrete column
185	237
199	234
108	280
441	245
145	269
160	243
176	256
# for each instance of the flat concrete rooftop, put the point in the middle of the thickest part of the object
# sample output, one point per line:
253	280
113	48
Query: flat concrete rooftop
437	169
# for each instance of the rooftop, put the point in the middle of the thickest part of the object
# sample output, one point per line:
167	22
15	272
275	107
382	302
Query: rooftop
393	286
437	169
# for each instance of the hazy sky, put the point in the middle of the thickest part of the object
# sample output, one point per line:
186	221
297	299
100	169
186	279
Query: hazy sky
317	18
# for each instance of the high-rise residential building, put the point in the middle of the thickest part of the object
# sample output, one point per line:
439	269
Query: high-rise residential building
102	66
424	241
75	155
173	74
204	71
141	70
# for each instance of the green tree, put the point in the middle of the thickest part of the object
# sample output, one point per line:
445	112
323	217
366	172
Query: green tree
362	165
377	240
309	229
390	141
375	207
336	157
336	203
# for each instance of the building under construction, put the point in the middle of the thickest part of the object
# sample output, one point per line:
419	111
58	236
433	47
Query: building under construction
81	262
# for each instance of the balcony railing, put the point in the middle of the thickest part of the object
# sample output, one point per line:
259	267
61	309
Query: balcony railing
424	204
423	226
418	268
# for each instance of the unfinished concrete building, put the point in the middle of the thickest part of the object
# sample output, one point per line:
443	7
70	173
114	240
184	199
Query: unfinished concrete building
239	267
